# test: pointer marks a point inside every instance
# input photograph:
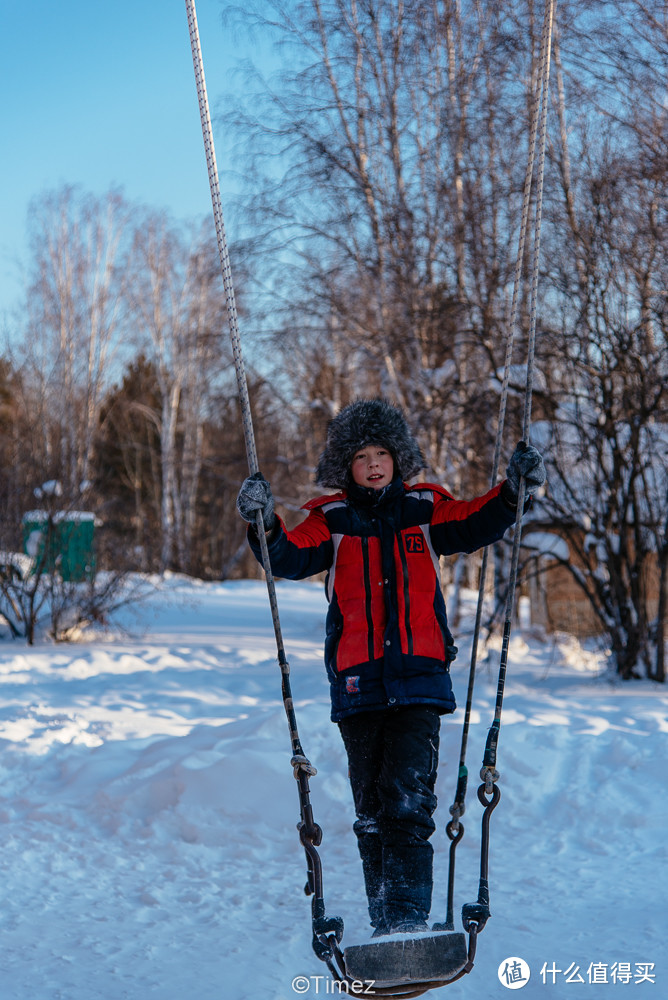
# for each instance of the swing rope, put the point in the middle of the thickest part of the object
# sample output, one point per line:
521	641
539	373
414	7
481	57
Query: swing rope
325	930
476	914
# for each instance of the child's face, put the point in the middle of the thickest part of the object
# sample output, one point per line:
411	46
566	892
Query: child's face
373	467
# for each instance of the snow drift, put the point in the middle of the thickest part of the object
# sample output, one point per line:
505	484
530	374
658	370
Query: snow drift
148	812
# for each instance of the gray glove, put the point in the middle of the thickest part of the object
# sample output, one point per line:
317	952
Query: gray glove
255	494
525	461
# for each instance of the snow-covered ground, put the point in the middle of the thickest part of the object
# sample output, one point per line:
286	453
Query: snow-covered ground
148	813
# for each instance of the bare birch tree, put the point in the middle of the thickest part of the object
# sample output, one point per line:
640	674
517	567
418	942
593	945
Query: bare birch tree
178	303
607	363
75	308
398	127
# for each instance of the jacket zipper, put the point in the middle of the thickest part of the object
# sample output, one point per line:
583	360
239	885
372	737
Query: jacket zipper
367	591
407	595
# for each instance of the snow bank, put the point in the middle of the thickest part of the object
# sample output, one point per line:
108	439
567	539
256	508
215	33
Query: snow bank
148	811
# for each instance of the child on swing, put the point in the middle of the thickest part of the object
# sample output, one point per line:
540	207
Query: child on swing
388	648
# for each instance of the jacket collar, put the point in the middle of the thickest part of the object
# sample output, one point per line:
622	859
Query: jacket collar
371	498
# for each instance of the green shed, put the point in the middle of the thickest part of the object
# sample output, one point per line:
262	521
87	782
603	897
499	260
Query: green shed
69	538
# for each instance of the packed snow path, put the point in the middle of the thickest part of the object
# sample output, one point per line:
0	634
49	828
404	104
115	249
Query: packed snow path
148	812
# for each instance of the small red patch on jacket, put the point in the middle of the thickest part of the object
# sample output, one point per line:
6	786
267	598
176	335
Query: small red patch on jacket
352	685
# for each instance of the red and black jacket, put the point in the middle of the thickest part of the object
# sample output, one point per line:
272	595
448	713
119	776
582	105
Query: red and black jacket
387	638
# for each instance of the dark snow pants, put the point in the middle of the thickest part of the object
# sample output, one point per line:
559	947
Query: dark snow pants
393	759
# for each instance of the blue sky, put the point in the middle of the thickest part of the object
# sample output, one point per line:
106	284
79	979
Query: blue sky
102	93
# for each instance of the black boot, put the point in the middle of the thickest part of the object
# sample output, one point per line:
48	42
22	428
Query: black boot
371	853
407	877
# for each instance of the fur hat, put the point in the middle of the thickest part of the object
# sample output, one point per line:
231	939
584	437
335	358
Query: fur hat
364	422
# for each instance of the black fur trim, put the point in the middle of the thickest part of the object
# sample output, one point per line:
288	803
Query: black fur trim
367	421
